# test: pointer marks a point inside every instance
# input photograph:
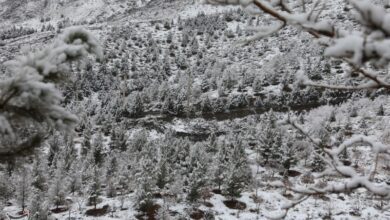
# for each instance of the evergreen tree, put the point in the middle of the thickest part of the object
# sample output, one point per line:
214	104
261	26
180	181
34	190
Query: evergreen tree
270	141
55	143
145	179
317	163
169	37
39	174
22	183
86	145
119	139
184	39
239	173
69	152
206	105
208	41
219	166
197	171
111	173
381	111
212	143
75	177
238	30
194	46
354	112
98	151
135	106
39	209
234	183
257	84
332	117
139	142
94	188
348	128
6	189
58	185
289	158
163	175
167	66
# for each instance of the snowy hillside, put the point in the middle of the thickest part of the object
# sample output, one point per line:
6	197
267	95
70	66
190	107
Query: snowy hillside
173	115
33	12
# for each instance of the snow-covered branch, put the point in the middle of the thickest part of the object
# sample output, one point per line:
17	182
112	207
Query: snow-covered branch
355	48
31	91
370	46
350	178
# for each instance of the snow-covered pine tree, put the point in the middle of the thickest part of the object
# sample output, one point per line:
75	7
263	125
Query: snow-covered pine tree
98	149
270	141
135	106
169	37
197	171
257	84
146	182
86	144
119	139
22	183
194	46
56	142
184	39
219	166
381	111
139	141
239	174
58	187
75	178
166	66
6	189
289	154
38	206
206	105
317	164
95	187
332	116
39	173
212	143
111	167
163	174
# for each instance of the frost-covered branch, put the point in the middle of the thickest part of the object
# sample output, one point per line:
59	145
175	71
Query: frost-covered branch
305	20
363	51
264	32
351	179
356	48
31	92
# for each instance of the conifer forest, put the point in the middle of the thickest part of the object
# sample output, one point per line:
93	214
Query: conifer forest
194	109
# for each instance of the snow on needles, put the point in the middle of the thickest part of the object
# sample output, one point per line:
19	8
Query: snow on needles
32	87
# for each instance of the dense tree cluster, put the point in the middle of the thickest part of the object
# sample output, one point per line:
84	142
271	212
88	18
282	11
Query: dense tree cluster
176	71
169	166
15	32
